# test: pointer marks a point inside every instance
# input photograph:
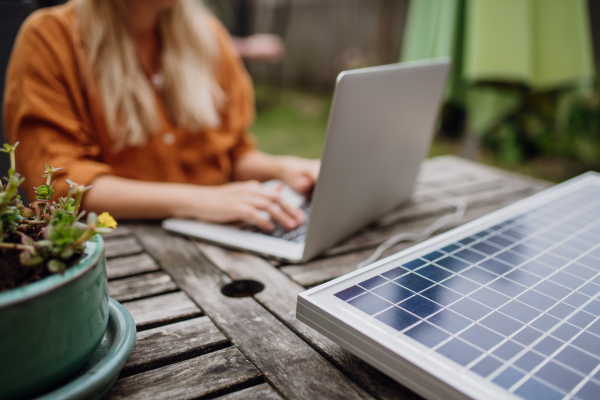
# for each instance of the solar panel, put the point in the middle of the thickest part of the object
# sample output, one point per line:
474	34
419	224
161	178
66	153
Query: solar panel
506	306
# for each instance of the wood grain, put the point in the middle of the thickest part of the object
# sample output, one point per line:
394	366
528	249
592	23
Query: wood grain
129	266
122	246
162	310
259	392
279	297
288	363
212	373
172	343
121	230
141	286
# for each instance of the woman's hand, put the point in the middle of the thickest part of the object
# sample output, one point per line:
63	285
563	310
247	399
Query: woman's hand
246	201
299	173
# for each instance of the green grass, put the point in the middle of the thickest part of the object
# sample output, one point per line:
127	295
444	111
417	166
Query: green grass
295	125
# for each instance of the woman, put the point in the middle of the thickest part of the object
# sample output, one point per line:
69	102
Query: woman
147	101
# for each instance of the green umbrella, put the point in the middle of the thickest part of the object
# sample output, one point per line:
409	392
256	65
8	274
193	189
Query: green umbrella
543	45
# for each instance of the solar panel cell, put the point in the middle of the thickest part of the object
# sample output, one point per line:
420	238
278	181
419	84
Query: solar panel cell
414	264
469	255
481	337
593	308
561	310
427	334
397	318
507	287
502	241
565	332
414	282
559	376
511	258
461	285
577	359
369	303
394	273
453	264
545	322
529	361
527	336
489	297
478	275
508	377
581	319
495	266
486	248
536	300
508	350
420	306
392	292
548	345
552	289
533	389
470	309
450	248
589	391
486	366
434	273
349	293
373	282
433	256
501	323
520	311
523	278
449	321
460	352
441	295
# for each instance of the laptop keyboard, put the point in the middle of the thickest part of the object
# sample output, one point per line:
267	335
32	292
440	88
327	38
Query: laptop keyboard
295	235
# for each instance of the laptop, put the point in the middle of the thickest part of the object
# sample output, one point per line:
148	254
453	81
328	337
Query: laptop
380	128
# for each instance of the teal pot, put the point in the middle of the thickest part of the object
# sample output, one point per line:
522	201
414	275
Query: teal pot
48	329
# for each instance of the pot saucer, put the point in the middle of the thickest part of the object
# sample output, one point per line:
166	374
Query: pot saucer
98	375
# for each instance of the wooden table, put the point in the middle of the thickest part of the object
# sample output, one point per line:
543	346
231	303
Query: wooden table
194	342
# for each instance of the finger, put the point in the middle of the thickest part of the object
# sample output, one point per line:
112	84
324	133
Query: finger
275	211
281	216
296	213
254	217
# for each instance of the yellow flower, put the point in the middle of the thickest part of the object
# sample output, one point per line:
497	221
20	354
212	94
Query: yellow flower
107	220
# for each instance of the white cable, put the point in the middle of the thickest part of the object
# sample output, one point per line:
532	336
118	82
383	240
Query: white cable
461	208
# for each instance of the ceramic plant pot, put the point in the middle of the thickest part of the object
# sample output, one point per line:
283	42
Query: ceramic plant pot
48	329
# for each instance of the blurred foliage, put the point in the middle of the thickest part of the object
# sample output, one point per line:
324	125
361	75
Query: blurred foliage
294	123
552	126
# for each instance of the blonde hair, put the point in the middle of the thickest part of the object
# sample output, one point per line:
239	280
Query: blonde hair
188	53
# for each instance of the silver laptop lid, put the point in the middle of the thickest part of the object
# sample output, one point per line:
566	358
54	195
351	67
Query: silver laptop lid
380	127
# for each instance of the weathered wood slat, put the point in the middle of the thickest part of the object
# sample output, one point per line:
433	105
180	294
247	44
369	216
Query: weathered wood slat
288	363
122	246
162	310
279	297
129	266
259	392
324	269
172	343
140	286
212	373
121	230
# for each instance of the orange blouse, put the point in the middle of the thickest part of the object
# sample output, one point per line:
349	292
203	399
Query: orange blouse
58	119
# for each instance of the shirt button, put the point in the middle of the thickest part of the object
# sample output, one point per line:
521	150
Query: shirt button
168	138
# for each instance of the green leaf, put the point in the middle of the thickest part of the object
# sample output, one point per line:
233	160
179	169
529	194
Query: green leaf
56	266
